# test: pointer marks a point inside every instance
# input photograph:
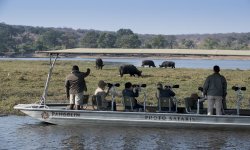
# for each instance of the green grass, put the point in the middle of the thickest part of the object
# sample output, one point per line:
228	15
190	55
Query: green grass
23	81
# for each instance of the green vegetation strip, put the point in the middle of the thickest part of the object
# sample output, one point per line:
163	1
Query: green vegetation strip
23	82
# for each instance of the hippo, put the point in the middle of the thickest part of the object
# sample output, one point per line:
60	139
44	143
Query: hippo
129	69
167	64
98	63
149	63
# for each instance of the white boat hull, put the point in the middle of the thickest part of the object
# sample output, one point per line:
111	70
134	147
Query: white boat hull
141	119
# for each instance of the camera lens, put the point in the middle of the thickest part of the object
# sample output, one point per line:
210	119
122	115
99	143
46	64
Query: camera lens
117	84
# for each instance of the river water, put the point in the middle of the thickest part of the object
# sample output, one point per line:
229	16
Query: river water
179	63
25	133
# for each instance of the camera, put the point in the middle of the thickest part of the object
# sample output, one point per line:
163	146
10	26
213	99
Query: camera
174	86
139	85
113	84
200	89
236	88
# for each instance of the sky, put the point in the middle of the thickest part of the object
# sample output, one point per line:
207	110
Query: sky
169	17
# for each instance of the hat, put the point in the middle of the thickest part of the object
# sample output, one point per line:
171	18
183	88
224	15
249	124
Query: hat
75	67
101	84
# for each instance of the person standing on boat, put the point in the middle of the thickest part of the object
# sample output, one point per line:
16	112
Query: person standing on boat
132	91
103	93
75	86
215	88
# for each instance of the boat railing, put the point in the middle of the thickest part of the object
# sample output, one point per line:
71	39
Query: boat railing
114	93
169	103
200	100
128	103
143	90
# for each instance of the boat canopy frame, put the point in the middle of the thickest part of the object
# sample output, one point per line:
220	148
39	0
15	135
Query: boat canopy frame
46	87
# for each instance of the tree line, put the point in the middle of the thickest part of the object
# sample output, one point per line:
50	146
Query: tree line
17	39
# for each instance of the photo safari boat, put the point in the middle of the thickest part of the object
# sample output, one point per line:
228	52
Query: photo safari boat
150	116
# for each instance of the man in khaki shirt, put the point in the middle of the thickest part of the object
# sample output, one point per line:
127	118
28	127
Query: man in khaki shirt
75	86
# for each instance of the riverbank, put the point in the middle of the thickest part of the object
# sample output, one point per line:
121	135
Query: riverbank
23	82
156	56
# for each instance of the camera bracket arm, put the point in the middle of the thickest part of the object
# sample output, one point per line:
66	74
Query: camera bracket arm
240	97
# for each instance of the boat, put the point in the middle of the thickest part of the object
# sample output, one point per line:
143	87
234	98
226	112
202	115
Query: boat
59	114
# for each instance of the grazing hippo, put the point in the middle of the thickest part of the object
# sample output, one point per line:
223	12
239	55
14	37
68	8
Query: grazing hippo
167	64
98	63
149	63
129	69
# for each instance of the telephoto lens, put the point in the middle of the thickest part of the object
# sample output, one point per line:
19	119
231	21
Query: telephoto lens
114	84
117	84
175	86
200	89
236	88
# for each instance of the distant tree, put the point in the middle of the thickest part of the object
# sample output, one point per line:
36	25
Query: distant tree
26	43
7	38
106	40
69	40
123	32
171	41
189	44
159	42
128	41
90	40
51	39
39	45
148	45
210	43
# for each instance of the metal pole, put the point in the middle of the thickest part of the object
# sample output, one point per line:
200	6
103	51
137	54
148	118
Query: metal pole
45	92
145	99
113	97
239	99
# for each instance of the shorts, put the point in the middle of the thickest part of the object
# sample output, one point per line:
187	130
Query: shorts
76	99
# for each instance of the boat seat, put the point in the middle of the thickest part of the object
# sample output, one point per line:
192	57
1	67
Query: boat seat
128	103
97	103
167	104
194	105
85	102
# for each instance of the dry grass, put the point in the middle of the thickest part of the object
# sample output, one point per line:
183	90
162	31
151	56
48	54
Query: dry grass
23	81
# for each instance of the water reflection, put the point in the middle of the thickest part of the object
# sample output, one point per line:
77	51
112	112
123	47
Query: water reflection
27	133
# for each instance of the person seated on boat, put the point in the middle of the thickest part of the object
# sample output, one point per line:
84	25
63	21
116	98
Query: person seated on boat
165	93
75	86
132	92
191	102
104	93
